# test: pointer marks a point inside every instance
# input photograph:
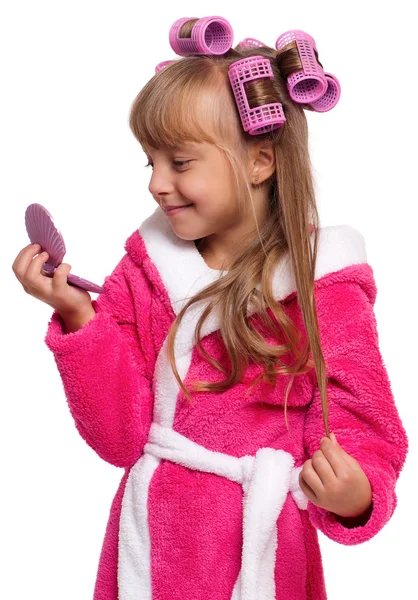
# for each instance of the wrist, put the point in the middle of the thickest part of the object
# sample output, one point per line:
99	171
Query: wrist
75	320
358	521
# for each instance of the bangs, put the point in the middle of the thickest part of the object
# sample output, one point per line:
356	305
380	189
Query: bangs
187	101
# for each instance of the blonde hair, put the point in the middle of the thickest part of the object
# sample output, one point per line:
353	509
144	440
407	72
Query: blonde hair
191	100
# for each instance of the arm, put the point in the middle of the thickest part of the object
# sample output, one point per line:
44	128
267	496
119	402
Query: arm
362	410
102	367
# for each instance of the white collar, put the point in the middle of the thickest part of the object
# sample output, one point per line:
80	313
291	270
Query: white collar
184	272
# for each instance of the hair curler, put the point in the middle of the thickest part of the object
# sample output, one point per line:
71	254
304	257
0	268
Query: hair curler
162	64
259	119
249	43
310	85
331	96
210	35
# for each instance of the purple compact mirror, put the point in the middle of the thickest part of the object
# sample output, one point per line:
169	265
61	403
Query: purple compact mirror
41	230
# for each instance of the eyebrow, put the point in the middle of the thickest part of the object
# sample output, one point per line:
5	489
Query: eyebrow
191	145
186	146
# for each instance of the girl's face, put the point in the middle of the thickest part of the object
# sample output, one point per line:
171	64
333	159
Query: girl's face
197	174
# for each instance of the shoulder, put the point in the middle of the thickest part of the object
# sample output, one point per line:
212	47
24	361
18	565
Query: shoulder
144	278
339	246
135	248
341	259
127	281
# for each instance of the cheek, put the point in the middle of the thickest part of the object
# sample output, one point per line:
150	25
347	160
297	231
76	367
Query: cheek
200	187
216	187
210	190
188	186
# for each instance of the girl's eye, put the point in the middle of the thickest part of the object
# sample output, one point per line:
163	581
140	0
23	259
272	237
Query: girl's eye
177	163
181	163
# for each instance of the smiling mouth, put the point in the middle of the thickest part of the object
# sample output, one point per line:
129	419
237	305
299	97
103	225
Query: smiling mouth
177	208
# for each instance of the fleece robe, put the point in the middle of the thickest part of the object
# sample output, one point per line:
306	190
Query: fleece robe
209	506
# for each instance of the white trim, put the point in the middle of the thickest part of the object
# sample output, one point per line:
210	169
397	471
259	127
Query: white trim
134	547
184	272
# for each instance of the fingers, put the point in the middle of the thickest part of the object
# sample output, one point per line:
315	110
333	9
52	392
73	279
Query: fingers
311	478
337	458
28	270
322	466
24	258
306	489
59	281
52	287
34	268
318	472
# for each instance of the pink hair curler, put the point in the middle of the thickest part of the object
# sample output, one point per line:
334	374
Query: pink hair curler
42	230
210	35
310	84
259	119
163	64
249	43
331	96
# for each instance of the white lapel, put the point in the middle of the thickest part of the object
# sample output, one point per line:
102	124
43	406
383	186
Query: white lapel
184	272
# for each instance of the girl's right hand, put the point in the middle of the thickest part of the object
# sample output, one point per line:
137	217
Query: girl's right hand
66	299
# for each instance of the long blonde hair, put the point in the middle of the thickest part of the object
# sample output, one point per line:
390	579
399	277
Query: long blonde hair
191	100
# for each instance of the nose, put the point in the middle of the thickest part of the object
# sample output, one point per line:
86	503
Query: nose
160	183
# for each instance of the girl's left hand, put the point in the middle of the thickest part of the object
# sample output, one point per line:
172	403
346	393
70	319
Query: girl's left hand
333	480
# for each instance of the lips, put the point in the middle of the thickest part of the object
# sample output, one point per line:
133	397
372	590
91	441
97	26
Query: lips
169	208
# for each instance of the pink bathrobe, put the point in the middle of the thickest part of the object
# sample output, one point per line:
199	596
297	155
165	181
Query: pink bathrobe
209	506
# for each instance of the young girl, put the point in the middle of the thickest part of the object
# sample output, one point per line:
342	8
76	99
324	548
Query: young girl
232	337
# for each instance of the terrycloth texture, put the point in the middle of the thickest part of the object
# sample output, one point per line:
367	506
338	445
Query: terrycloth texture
117	382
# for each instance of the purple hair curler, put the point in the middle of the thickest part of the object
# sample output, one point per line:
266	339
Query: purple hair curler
210	35
259	119
42	230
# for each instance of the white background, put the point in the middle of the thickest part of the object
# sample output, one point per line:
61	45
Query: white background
69	73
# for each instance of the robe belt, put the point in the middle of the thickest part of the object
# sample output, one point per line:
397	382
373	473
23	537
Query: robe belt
266	478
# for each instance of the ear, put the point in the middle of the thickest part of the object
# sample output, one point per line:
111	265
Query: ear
262	162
